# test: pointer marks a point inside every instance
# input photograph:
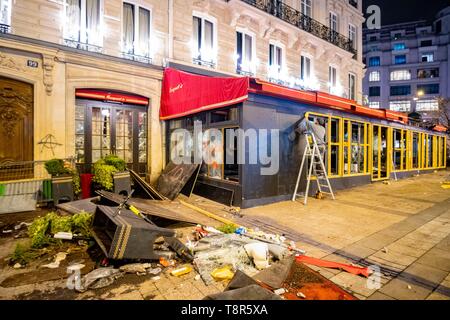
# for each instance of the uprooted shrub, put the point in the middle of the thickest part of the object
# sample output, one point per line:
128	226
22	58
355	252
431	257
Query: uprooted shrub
41	233
42	229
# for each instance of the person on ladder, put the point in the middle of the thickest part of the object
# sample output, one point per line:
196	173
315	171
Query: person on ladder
316	127
315	133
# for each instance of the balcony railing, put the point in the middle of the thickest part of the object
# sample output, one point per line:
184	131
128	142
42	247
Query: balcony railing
4	28
82	46
200	62
136	57
303	22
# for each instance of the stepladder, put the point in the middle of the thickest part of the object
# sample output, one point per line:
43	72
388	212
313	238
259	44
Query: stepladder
313	163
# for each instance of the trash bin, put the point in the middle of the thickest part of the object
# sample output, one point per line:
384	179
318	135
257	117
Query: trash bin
86	185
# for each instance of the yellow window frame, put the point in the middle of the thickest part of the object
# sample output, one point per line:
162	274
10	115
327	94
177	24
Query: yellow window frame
329	143
388	151
348	144
403	149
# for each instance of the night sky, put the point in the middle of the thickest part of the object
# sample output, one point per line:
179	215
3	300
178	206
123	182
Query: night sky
397	11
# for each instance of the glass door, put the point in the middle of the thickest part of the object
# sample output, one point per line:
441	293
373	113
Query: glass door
379	153
104	128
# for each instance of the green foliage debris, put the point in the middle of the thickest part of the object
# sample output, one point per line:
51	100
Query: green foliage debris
42	229
24	254
227	228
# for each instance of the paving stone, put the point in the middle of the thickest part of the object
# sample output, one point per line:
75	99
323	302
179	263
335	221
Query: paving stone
428	277
355	251
380	296
437	258
354	283
398	289
395	257
401	248
376	241
441	293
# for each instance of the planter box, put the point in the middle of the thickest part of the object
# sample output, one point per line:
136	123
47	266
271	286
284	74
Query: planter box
62	189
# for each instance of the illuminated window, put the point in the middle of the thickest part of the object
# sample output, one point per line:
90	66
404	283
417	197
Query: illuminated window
374	61
136	30
275	61
428	73
356	147
427	105
333	21
352	35
203	41
351	86
374	76
306	7
245	53
83	23
399	75
399	149
374	104
5	12
399	46
332	77
305	71
400	59
427	57
402	106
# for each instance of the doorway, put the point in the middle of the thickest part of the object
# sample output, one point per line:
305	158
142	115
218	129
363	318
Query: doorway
103	128
380	161
16	129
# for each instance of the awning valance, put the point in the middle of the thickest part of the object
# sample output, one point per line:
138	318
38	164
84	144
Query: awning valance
185	93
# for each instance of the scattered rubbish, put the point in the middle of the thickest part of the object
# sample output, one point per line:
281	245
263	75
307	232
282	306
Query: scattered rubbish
63	235
386	182
169	185
224	273
319	195
156	278
197	277
179	248
335	265
278	251
241	230
227	228
60	256
136	268
145	187
124	235
21	225
384	250
301	295
409	287
99	278
17	266
155	271
279	291
181	271
7	231
166	263
260	254
168	255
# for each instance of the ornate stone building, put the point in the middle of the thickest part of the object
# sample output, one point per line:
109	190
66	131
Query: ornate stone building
88	72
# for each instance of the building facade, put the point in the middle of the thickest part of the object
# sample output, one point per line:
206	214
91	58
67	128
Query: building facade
407	65
86	74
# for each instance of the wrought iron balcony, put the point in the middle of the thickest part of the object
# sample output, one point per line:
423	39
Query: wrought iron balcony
82	46
303	22
200	62
4	28
136	57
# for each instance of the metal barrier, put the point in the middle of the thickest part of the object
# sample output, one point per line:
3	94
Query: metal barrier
23	184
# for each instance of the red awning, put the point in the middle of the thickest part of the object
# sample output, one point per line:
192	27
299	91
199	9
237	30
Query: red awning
185	93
